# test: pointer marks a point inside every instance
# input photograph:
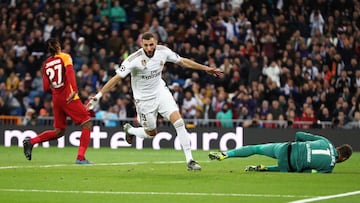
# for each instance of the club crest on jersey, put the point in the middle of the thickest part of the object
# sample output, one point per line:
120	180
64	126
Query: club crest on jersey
161	63
143	62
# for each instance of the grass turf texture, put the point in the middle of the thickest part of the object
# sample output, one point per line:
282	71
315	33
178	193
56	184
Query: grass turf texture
130	175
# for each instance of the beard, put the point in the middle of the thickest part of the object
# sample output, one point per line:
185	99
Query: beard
150	53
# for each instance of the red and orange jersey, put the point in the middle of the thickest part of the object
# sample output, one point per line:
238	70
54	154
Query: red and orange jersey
59	75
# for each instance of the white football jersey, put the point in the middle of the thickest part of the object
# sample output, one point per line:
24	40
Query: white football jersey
146	72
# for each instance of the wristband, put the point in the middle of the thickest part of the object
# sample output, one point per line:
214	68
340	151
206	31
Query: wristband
98	96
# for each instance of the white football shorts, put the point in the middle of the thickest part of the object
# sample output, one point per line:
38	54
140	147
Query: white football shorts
148	110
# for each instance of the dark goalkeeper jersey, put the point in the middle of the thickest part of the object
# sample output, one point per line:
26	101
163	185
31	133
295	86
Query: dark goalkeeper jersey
312	153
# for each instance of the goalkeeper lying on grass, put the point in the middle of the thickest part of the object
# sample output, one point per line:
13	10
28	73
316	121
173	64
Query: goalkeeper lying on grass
309	154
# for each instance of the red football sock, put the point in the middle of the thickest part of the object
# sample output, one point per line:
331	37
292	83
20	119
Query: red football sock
84	143
44	136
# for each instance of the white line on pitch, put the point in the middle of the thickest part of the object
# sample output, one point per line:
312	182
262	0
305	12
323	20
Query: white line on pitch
96	164
326	197
150	193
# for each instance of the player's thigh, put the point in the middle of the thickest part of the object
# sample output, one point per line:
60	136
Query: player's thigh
59	115
167	104
147	114
271	149
77	112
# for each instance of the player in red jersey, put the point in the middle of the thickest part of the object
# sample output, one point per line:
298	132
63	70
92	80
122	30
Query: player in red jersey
59	77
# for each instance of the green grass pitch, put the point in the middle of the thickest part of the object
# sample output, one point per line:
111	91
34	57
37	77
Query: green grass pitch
130	175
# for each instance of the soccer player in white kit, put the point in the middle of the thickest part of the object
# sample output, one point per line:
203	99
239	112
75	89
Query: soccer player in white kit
150	92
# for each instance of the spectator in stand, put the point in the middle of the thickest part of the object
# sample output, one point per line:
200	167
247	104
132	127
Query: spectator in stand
117	16
102	58
276	110
189	105
268	42
243	114
281	122
255	70
234	82
354	122
273	71
120	108
342	81
178	93
291	119
316	22
30	118
159	30
225	116
226	66
208	111
82	53
269	121
219	99
4	109
324	116
264	109
355	81
255	122
12	82
115	43
108	116
36	85
309	68
337	65
308	117
232	28
87	77
339	120
3	76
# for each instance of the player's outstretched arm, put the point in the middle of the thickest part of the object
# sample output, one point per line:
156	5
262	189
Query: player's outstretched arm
94	100
185	62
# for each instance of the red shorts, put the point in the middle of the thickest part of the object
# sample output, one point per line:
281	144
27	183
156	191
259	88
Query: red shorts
75	110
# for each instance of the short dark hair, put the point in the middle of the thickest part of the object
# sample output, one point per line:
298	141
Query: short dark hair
147	36
345	150
52	46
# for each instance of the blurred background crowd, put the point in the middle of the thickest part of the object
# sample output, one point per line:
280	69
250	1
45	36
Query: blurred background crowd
286	63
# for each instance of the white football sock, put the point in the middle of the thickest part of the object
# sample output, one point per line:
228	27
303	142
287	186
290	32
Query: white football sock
184	138
139	132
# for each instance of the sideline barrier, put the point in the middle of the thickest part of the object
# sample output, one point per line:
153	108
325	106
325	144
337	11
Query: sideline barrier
202	138
10	120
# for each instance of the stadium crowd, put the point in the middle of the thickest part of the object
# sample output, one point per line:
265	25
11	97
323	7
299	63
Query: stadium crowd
283	60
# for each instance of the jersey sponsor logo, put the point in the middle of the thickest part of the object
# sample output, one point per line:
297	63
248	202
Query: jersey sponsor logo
153	74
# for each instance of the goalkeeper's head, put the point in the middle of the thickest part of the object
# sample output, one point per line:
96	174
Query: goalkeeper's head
344	152
53	46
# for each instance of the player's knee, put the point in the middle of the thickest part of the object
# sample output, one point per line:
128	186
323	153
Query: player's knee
60	132
87	124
